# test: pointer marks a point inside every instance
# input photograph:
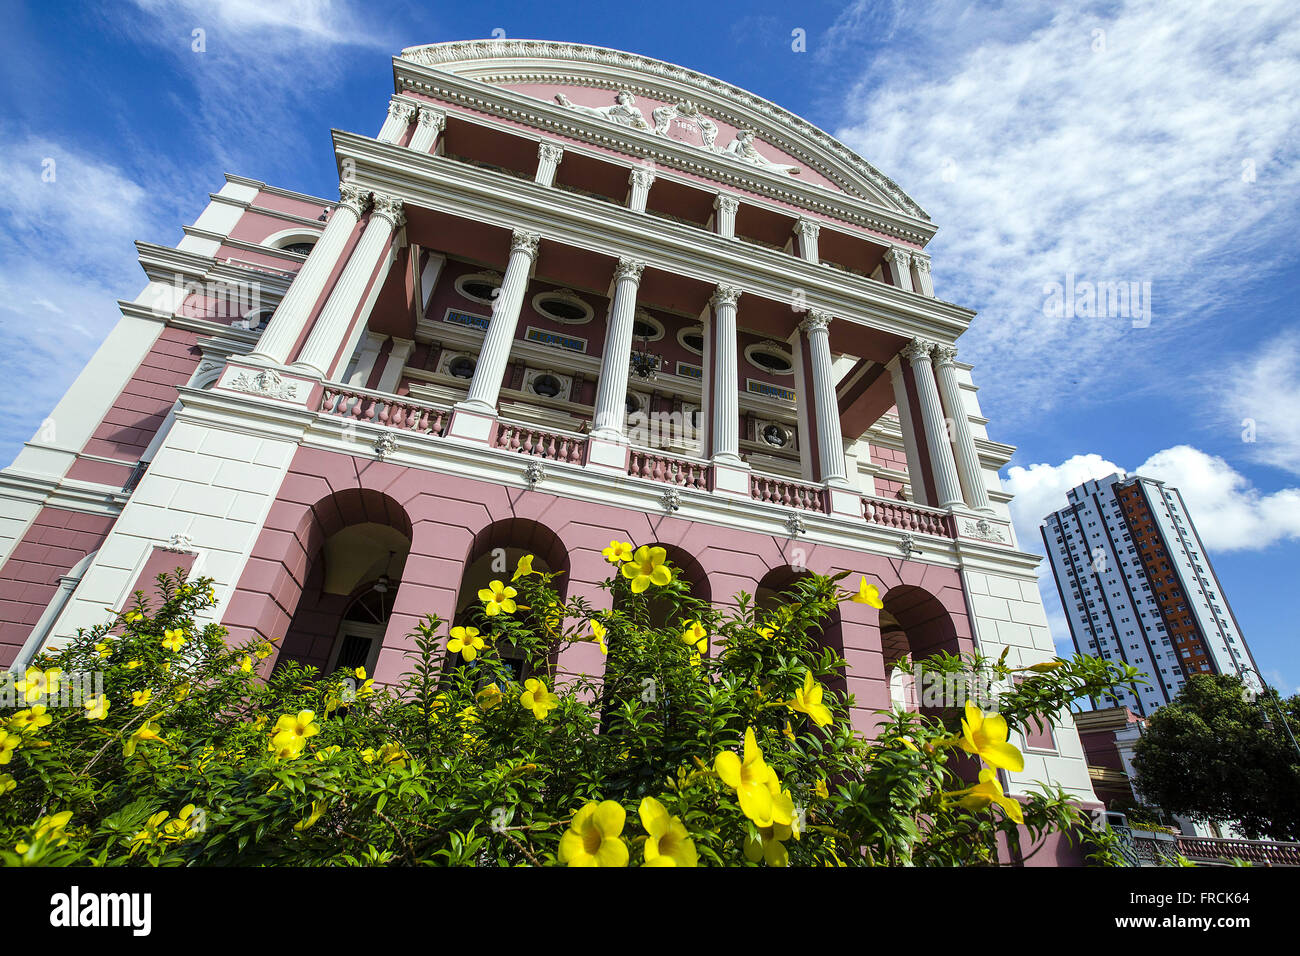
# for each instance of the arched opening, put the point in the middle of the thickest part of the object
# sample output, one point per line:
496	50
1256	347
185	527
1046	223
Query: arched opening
493	556
916	625
686	568
356	544
771	593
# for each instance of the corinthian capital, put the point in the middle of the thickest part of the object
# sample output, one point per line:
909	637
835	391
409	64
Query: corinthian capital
921	261
918	350
550	152
527	242
353	197
629	269
945	354
403	109
390	208
899	256
433	119
808	228
816	321
643	177
726	204
725	295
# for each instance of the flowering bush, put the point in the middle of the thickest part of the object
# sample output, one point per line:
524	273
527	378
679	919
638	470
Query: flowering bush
711	740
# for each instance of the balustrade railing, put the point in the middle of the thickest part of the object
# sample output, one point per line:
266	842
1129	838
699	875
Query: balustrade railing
668	469
1266	852
905	516
386	410
539	443
789	494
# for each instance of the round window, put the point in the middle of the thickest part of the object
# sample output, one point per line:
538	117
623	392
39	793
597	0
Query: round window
776	436
301	248
462	367
547	386
631	404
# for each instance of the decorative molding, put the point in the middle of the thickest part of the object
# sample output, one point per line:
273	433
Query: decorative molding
921	261
432	119
794	523
944	354
353	197
817	321
385	445
390	208
401	108
623	112
534	474
725	295
550	152
672	500
983	529
522	241
629	269
907	545
727	205
180	543
917	350
265	382
642	177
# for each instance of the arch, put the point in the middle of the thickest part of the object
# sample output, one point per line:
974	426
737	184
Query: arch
688	569
830	635
291	237
913	623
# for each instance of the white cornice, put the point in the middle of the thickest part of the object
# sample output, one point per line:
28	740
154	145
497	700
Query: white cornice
278	191
66	493
501	61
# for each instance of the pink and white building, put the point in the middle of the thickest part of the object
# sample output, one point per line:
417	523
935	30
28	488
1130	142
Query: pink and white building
345	409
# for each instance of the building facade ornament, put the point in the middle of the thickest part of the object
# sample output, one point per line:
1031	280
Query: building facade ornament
265	382
534	473
984	529
907	545
526	242
385	445
550	152
641	177
353	197
689	115
742	148
918	350
816	321
401	109
672	500
629	269
944	354
727	205
725	295
390	208
180	543
623	112
434	120
921	261
794	524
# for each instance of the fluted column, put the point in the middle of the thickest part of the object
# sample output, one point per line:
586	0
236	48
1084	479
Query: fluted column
830	439
611	390
807	231
641	179
548	161
495	352
400	114
429	125
294	310
334	324
395	365
907	425
727	207
968	461
900	266
725	423
946	484
923	281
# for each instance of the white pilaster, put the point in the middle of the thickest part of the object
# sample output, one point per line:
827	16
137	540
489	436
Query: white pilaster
725	400
968	461
366	356
901	267
946	484
486	384
294	310
611	390
807	231
400	113
907	425
923	282
401	351
548	161
429	125
641	179
335	321
727	206
830	440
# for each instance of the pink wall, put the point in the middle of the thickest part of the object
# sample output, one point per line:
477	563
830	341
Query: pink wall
54	543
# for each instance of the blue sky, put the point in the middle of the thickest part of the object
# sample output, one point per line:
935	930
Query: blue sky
1133	141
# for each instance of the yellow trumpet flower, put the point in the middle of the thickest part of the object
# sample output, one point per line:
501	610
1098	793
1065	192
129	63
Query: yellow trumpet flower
985	736
537	698
497	599
868	594
667	842
594	836
647	568
808	700
466	642
618	552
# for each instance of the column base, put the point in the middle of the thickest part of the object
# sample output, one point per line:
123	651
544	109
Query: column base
844	501
470	424
731	476
604	454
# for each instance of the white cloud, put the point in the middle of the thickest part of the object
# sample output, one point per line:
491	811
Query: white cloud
1044	148
314	21
1265	398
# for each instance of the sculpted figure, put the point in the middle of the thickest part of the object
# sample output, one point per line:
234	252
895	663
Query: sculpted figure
624	112
742	147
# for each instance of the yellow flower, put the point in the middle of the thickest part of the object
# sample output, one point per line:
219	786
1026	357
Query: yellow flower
150	731
246	664
132	616
1045	667
820	789
141	697
317	809
754	781
181	692
103	649
525	567
37	683
766	633
667	842
647	568
989	791
31	720
287	746
466	642
593	837
598	632
180	829
96	707
868	594
7	783
497	598
771	847
8	744
808	700
488	697
174	639
696	636
299	726
985	736
50	829
538	699
263	651
388	753
618	552
132	665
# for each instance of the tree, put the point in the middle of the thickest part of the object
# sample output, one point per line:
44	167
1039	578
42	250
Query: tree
711	740
1218	754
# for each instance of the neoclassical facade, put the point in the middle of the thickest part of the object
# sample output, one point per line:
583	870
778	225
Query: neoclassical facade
565	295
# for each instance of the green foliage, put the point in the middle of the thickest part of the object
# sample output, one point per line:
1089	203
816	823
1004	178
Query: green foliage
220	765
1215	755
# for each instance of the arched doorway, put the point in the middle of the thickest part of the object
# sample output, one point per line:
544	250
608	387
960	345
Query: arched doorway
771	593
659	610
914	624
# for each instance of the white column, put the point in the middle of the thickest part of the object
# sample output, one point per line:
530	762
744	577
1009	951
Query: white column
611	390
395	365
942	466
725	424
291	314
335	321
806	231
830	439
366	356
429	125
923	281
400	114
900	266
726	218
640	180
548	161
968	461
907	425
495	351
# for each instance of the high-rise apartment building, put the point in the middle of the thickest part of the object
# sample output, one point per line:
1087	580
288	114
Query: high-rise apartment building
1137	586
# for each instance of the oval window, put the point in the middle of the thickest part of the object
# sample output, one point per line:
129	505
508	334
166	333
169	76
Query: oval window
479	289
692	340
775	436
548	386
564	307
462	367
771	361
301	248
